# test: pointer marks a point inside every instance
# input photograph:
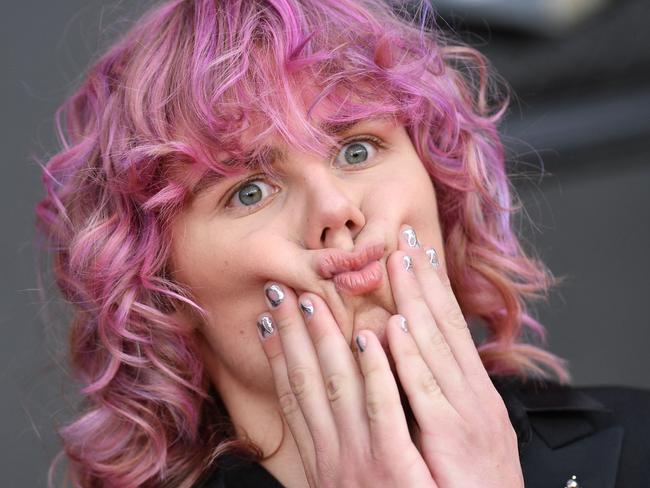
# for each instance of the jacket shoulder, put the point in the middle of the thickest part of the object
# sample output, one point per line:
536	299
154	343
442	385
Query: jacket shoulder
630	407
607	424
625	402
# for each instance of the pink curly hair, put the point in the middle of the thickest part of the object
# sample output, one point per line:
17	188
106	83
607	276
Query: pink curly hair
148	122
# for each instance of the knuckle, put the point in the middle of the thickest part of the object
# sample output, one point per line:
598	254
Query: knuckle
501	410
334	385
454	315
466	335
429	385
499	424
503	417
493	397
438	342
298	380
288	403
494	406
375	405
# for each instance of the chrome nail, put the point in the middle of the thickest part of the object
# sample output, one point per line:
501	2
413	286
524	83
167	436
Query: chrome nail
433	257
307	308
361	343
410	237
402	323
274	294
407	261
265	327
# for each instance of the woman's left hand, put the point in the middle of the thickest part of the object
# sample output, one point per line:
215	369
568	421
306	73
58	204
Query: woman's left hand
465	435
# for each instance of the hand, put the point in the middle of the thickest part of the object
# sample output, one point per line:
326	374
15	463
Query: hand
465	435
349	425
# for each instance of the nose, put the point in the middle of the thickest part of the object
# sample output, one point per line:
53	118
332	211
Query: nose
334	217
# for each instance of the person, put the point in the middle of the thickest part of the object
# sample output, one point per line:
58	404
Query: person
280	224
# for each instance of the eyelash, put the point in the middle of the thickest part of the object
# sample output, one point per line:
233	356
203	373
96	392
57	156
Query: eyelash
379	145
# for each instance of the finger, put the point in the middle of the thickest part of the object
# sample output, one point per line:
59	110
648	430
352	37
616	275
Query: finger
267	332
342	378
433	346
442	302
424	394
386	418
303	372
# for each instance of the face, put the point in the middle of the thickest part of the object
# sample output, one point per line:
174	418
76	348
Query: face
235	237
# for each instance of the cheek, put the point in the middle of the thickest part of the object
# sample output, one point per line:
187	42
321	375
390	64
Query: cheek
211	265
226	275
226	271
406	195
417	205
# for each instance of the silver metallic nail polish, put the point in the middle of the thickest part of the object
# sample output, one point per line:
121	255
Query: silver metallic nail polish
307	308
361	343
265	326
402	323
411	237
433	257
275	295
407	261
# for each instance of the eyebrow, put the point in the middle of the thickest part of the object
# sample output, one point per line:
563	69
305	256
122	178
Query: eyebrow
211	178
269	158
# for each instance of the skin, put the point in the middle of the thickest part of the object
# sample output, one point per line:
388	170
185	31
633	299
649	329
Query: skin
228	255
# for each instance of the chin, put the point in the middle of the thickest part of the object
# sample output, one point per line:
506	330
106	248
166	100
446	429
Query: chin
372	317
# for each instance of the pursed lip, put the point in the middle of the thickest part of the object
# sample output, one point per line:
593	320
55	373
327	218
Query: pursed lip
335	261
353	272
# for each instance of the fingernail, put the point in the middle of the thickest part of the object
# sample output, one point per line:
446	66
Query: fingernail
402	323
410	237
265	327
361	342
433	257
407	262
307	308
274	295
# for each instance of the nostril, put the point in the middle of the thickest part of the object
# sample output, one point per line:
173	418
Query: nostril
349	224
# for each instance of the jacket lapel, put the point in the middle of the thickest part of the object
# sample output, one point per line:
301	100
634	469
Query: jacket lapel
561	432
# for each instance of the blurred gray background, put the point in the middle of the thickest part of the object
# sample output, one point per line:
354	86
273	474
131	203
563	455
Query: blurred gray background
578	136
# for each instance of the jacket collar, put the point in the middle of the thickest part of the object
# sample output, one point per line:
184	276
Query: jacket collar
561	432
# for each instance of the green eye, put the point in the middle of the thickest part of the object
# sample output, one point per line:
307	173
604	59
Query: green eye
358	151
249	194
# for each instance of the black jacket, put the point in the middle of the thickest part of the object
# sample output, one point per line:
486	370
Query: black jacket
600	434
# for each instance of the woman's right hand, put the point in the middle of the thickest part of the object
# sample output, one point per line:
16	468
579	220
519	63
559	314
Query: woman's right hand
349	425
